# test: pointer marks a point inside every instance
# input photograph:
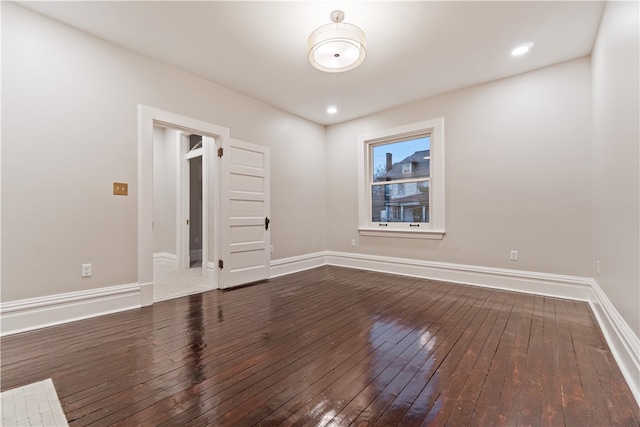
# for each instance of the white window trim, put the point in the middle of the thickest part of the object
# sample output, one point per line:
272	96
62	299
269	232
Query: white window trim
435	229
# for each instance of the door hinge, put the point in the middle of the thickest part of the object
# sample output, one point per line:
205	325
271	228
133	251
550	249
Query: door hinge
220	264
220	152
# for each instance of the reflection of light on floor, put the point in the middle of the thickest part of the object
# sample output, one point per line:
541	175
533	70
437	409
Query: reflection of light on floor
426	339
417	357
326	418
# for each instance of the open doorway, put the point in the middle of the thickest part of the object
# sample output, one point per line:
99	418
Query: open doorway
235	249
178	214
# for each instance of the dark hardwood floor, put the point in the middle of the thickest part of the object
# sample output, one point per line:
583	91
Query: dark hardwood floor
332	346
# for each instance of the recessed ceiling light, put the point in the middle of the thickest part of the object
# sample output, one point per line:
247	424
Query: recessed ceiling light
522	49
332	109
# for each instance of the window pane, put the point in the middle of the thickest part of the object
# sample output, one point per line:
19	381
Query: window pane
402	160
407	202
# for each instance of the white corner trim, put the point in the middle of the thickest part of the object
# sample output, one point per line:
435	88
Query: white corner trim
34	313
555	285
283	266
211	269
624	344
146	294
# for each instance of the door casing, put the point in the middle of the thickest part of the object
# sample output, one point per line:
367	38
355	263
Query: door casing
213	136
147	118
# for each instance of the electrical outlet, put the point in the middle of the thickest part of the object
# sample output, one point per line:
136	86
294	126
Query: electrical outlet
514	256
86	270
353	242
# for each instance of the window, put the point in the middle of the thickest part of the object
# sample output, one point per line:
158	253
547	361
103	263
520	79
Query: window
401	191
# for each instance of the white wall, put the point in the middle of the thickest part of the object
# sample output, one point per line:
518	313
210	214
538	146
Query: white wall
69	116
616	164
517	174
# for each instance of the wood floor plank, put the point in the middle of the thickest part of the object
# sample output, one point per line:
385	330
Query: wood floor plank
332	346
497	388
444	392
207	401
467	347
411	358
323	342
528	411
363	388
339	393
450	335
467	405
576	410
276	396
246	349
551	377
588	344
240	375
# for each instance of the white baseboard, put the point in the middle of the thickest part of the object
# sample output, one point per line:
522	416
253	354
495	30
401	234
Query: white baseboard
571	287
284	266
624	344
165	259
34	313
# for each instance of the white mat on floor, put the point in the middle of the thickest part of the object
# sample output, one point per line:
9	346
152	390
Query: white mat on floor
35	404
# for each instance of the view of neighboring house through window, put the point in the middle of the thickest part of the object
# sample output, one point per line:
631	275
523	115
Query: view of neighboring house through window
400	179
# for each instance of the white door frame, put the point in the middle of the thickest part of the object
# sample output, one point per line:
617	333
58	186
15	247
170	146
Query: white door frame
147	118
182	203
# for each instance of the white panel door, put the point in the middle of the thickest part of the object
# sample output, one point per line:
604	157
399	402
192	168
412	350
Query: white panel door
245	236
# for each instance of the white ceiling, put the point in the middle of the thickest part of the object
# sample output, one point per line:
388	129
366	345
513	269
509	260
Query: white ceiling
415	49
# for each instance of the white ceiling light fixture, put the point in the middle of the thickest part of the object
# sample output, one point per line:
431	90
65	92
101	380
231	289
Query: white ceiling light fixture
337	47
332	109
522	49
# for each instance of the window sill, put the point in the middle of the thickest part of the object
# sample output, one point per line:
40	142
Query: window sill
405	234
